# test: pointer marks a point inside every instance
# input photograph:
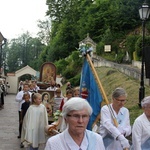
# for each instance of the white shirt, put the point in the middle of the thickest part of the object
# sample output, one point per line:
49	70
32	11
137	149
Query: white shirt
51	88
72	144
36	88
19	99
140	131
107	126
64	141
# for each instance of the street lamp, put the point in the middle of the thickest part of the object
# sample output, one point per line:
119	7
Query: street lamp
144	12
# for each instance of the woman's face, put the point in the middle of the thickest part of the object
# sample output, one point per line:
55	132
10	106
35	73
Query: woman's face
119	101
147	111
45	97
77	121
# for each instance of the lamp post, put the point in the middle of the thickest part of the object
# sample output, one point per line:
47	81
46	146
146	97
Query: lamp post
144	12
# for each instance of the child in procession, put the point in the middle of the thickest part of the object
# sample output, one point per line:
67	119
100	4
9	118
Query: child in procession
34	123
24	108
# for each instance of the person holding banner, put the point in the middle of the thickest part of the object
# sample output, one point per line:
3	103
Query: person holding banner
76	113
114	137
141	128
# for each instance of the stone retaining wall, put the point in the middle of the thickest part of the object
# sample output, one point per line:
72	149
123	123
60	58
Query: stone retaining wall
130	70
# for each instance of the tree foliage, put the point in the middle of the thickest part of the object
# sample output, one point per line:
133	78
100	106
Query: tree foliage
45	31
69	21
106	21
23	51
130	44
70	67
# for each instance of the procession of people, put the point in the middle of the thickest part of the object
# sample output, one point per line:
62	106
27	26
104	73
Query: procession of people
75	112
57	118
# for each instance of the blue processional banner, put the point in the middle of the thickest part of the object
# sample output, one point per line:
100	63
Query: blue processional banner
89	90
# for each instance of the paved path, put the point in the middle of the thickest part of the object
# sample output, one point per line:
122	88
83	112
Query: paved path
9	125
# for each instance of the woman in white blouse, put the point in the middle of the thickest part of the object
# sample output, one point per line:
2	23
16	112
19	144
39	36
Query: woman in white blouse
76	113
115	136
141	127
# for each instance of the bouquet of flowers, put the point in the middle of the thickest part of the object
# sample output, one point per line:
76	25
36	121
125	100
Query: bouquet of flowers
85	49
57	114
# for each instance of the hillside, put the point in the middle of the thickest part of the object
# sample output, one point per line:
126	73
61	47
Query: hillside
112	78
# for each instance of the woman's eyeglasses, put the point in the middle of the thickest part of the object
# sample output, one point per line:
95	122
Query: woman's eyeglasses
77	117
121	100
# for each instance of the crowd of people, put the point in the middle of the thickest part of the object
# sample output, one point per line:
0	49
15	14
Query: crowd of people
114	128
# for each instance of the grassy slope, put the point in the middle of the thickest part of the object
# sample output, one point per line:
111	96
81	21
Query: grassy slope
112	78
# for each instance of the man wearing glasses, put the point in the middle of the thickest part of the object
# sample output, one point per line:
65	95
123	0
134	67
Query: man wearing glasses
76	113
114	135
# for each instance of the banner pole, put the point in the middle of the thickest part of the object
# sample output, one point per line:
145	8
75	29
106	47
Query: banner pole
102	90
100	87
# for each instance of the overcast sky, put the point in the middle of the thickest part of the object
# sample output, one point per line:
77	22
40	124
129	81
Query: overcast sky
19	16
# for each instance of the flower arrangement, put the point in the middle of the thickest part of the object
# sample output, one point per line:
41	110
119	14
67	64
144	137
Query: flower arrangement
57	114
85	49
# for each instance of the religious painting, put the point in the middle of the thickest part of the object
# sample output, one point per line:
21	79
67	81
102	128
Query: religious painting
47	100
50	95
48	72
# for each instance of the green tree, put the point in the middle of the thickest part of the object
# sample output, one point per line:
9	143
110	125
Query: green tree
23	51
45	31
13	55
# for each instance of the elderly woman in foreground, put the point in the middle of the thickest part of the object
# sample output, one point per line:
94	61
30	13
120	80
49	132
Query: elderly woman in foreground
141	127
76	113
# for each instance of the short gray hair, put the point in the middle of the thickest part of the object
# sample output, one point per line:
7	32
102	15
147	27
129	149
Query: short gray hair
76	103
119	92
145	101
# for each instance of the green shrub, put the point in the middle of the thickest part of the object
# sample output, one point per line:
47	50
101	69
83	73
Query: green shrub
120	56
130	44
75	81
60	65
138	47
100	48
